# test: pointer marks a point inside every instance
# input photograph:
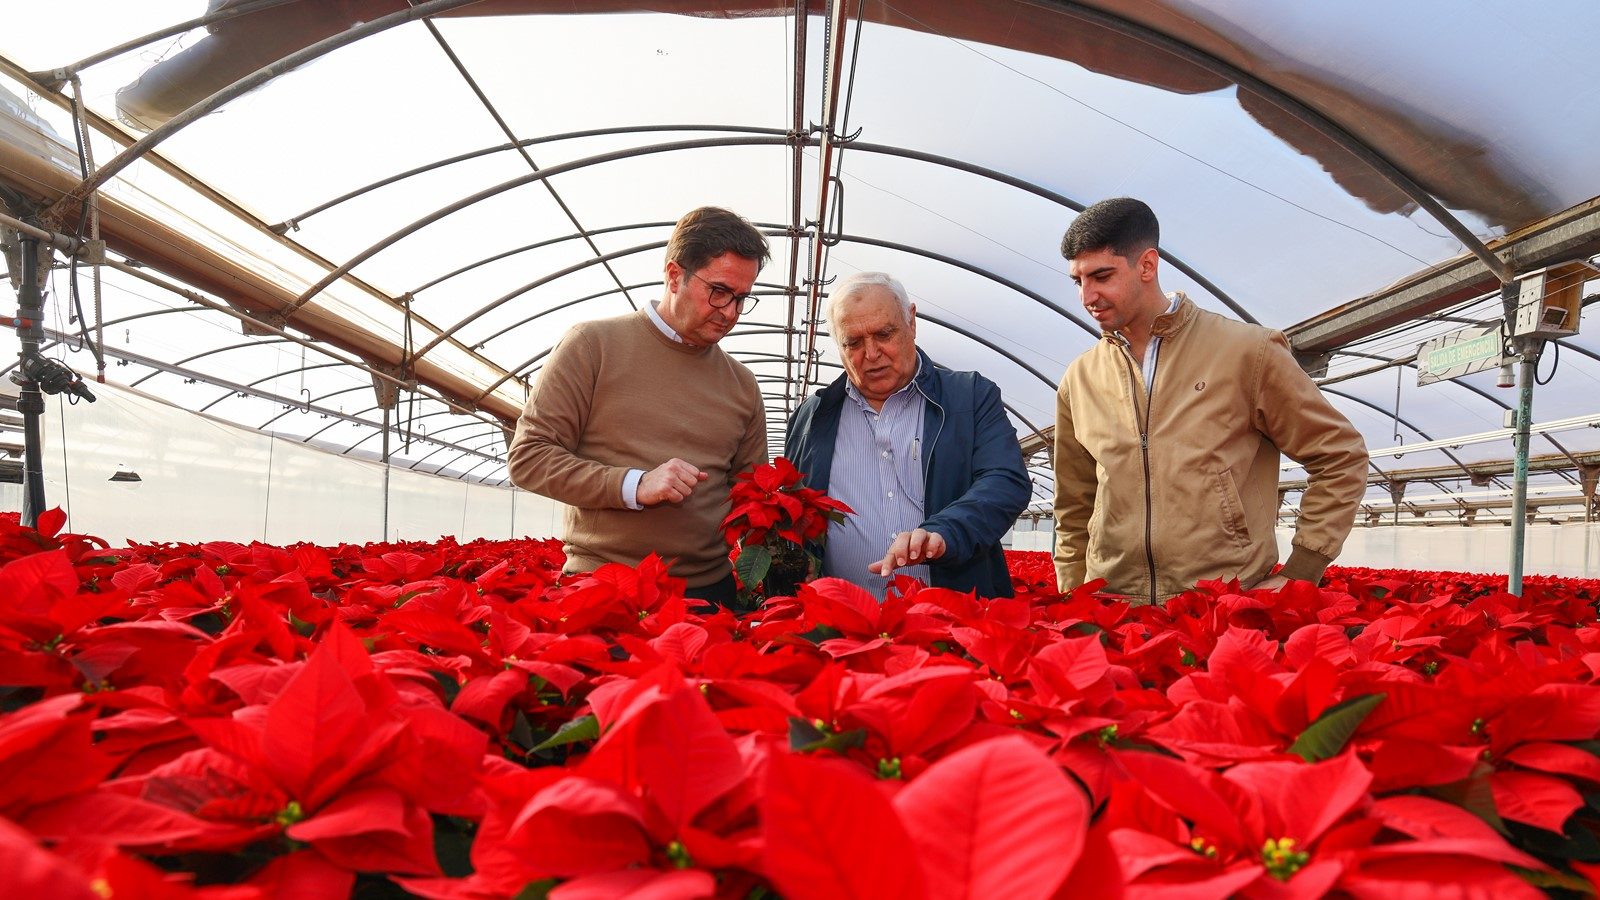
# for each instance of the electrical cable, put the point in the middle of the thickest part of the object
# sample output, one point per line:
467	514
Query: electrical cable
1555	363
66	470
83	223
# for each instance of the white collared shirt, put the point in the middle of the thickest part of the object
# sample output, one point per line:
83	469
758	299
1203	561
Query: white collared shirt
877	471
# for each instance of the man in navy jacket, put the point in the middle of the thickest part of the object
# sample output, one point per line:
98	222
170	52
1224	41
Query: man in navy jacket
924	455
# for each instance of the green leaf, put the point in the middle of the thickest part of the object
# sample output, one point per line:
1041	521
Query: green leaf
304	629
452	844
584	729
521	732
536	890
806	737
1553	879
448	684
1324	738
1474	795
753	564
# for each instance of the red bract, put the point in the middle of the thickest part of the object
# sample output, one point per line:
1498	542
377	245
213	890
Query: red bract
774	525
771	498
332	760
286	718
654	792
1282	829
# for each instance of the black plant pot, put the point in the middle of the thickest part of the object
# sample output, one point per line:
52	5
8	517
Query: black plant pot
791	567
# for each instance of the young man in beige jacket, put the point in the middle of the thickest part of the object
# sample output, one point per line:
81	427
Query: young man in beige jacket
1168	433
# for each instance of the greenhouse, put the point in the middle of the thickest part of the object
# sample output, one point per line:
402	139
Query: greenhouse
276	621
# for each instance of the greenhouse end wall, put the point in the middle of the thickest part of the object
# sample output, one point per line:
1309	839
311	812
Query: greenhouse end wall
203	480
1570	550
200	479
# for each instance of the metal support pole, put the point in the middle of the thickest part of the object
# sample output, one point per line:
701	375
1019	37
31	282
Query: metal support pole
1590	478
1529	356
30	401
387	412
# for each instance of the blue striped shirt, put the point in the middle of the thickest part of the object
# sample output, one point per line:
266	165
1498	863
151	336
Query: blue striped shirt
877	470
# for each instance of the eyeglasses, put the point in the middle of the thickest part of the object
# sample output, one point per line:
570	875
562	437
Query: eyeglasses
721	295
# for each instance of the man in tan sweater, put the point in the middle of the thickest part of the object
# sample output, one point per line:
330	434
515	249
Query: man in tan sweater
639	423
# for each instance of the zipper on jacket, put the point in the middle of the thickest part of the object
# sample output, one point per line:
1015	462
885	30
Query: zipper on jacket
927	449
1144	454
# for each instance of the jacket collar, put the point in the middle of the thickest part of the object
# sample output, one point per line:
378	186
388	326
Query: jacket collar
1168	323
926	380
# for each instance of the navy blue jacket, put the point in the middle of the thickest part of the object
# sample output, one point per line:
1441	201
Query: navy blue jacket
976	485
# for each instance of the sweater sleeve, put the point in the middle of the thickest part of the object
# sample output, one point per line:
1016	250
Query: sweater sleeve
1293	413
543	455
1075	496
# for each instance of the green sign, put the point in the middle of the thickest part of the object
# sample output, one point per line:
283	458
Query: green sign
1458	353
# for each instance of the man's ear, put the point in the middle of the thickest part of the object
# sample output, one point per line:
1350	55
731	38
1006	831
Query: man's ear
911	321
672	274
1149	261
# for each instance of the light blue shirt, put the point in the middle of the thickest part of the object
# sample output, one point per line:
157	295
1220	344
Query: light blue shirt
1152	350
877	471
630	481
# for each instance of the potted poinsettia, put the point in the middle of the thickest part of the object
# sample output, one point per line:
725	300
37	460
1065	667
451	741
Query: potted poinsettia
775	523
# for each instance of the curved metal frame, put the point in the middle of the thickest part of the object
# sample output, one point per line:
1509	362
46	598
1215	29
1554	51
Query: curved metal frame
1350	141
443	447
46	345
865	147
1389	413
399	432
294	371
264	342
774	290
250	82
1485	395
1347	140
511	184
521	369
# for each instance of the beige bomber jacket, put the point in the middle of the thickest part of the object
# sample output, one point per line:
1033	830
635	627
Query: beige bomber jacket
1155	496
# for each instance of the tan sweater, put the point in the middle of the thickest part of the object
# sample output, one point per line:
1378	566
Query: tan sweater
617	394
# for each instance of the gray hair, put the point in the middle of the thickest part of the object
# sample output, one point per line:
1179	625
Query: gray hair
860	282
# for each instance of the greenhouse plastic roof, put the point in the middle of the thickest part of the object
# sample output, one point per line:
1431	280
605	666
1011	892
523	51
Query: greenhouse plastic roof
440	199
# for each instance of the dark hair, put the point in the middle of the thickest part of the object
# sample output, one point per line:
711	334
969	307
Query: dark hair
710	231
1123	225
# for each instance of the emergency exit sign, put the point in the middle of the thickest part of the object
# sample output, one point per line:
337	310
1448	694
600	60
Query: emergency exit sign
1458	353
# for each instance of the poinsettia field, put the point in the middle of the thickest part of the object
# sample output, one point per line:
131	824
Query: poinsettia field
456	720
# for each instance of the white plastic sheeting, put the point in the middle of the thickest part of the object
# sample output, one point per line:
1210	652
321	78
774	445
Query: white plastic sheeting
1273	212
201	479
1571	549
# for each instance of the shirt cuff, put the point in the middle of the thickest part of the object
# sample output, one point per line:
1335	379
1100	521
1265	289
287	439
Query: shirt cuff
630	488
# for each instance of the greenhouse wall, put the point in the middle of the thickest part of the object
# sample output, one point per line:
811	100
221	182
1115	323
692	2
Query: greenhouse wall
202	480
1571	549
